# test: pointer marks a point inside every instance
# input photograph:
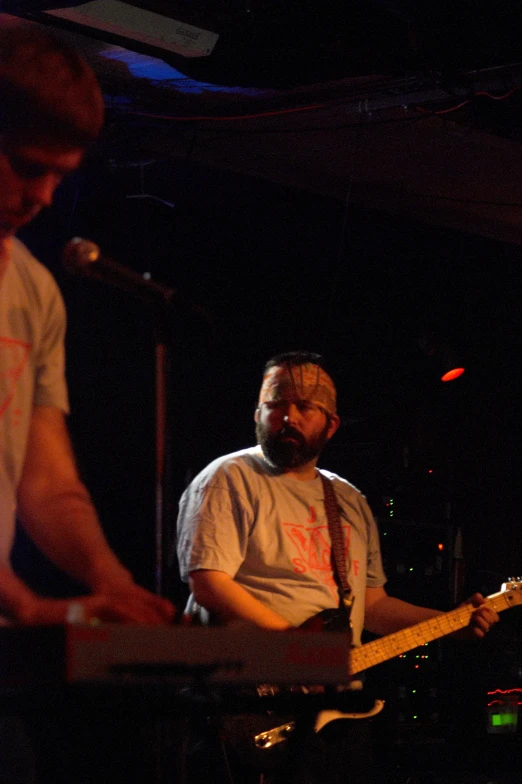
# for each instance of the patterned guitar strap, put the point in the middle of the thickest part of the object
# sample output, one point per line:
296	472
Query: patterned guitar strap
346	598
339	554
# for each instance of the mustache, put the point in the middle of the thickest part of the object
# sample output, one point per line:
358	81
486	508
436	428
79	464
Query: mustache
289	431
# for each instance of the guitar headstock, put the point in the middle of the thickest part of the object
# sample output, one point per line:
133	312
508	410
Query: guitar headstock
513	586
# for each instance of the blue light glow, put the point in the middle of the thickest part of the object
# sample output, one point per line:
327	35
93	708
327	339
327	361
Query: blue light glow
156	70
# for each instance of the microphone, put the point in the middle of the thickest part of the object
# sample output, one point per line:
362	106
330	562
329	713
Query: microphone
83	257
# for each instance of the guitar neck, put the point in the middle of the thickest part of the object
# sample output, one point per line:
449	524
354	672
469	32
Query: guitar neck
388	647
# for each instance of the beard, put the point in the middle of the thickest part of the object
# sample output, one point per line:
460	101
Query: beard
286	454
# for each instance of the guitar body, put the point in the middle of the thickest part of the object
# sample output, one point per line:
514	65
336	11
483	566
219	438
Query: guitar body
334	619
263	740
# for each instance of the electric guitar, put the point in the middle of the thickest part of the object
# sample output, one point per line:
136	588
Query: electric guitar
393	645
385	648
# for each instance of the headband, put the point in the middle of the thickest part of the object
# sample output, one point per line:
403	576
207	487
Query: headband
305	382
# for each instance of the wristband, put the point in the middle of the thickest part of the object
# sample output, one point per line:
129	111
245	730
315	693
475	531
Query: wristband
75	613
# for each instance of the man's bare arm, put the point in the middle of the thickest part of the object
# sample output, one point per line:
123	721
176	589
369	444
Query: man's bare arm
385	614
56	510
229	601
55	507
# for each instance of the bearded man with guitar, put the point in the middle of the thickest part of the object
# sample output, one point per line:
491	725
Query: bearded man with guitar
254	544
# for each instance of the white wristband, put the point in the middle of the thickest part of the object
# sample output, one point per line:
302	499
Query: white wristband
75	613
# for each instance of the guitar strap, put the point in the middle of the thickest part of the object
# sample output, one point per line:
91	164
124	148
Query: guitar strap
339	553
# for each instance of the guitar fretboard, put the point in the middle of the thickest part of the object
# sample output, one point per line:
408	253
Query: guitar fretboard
388	647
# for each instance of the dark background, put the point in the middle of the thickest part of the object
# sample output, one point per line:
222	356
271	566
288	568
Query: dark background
277	269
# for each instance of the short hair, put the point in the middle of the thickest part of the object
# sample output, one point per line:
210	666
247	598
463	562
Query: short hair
48	93
296	358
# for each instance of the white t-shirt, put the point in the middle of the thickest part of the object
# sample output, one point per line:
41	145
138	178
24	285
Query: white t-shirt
269	532
32	328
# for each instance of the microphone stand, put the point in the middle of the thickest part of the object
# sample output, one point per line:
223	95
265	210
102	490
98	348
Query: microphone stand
161	375
163	329
164	318
83	257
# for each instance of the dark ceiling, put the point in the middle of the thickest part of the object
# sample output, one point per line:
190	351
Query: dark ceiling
291	43
414	112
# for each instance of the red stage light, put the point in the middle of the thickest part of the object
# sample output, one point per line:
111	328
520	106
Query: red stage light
451	374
